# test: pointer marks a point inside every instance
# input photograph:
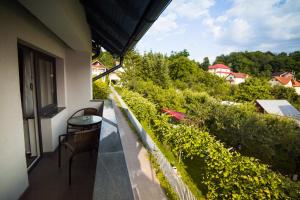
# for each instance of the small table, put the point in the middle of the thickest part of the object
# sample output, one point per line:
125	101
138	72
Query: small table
85	121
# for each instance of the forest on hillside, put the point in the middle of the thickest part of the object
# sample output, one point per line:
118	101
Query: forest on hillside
262	64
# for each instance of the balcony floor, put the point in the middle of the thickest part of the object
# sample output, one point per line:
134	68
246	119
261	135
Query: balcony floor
47	181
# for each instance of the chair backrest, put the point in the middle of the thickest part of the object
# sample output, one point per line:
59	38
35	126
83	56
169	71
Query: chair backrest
90	111
86	140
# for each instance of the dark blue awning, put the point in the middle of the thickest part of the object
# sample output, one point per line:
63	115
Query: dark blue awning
117	25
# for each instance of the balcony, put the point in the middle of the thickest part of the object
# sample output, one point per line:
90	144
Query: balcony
120	170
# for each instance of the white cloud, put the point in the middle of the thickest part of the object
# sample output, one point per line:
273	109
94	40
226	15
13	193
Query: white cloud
191	8
165	23
212	26
240	31
169	22
252	23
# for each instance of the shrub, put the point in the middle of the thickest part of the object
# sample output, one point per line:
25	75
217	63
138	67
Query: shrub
143	109
228	175
162	98
100	90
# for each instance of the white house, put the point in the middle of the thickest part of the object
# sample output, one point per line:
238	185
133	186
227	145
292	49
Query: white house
237	78
286	82
45	71
220	70
99	68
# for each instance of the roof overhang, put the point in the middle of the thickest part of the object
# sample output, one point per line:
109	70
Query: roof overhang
117	25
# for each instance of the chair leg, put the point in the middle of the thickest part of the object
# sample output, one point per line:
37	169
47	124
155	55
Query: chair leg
59	154
70	169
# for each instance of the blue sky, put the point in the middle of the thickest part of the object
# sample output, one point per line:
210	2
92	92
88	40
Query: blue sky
213	27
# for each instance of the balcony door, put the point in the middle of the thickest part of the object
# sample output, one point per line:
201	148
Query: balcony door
38	96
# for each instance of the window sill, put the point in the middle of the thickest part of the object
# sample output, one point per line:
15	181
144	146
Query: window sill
52	113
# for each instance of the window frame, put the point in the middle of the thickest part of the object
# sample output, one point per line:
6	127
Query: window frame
50	108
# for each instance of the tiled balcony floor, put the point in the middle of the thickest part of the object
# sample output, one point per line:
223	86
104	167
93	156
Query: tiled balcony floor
47	181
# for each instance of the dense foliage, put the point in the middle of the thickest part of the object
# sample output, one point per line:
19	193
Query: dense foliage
227	175
182	84
100	90
273	140
262	63
142	108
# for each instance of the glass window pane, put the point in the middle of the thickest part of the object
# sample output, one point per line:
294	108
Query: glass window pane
46	73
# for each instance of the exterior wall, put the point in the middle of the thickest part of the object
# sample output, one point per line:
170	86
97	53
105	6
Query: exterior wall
220	72
73	90
289	84
275	82
239	80
114	77
297	89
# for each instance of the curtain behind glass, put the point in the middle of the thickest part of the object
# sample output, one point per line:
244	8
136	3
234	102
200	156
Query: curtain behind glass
46	82
28	77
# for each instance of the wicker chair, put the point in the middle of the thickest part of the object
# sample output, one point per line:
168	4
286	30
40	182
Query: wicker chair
78	142
84	111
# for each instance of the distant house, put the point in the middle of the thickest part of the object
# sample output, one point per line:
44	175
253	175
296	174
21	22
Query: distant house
114	77
99	68
278	107
286	82
237	78
284	74
220	70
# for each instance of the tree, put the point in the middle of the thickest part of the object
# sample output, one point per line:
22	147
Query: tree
281	92
205	63
183	69
253	89
183	53
107	59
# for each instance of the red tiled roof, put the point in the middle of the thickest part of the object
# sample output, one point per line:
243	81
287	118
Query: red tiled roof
218	66
174	114
283	80
239	75
223	72
295	83
98	64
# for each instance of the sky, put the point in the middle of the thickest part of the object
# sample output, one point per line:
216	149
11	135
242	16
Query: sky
208	28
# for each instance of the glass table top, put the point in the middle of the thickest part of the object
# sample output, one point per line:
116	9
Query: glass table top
86	120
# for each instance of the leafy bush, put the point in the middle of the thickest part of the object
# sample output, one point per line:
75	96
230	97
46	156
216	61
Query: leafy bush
228	175
143	109
273	140
253	89
162	98
100	90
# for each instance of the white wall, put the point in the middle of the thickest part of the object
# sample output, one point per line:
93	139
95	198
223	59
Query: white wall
74	90
297	89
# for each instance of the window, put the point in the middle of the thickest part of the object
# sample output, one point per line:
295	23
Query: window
44	78
46	73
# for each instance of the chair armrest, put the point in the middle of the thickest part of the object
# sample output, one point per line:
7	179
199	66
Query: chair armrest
64	135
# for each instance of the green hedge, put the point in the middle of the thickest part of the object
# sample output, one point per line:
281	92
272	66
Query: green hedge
100	90
162	98
143	109
273	140
228	175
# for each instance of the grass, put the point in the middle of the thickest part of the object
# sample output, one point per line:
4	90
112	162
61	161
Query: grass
171	195
180	166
